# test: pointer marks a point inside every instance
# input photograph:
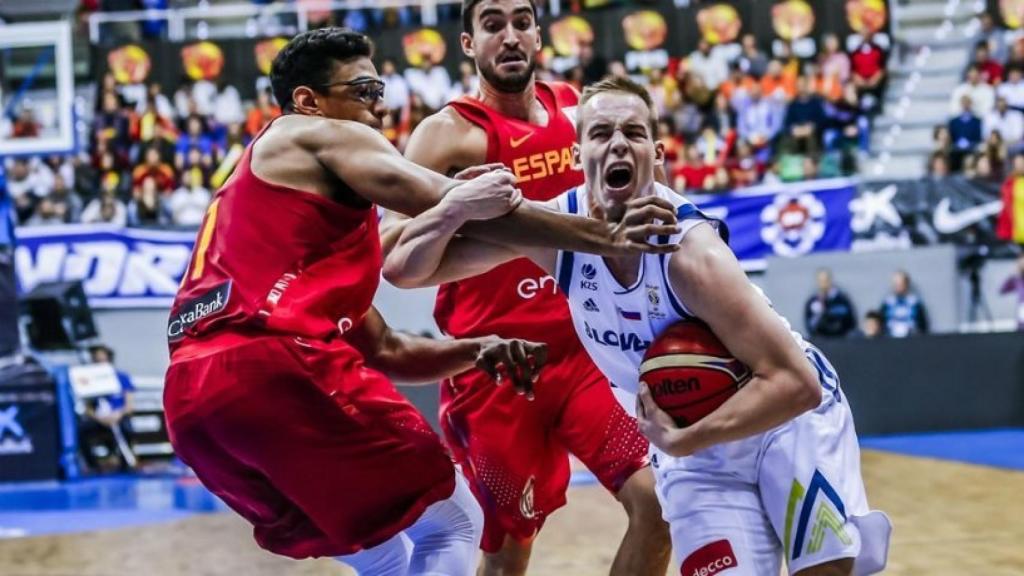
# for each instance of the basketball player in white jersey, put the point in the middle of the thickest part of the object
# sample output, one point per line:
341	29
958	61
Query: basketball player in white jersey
771	475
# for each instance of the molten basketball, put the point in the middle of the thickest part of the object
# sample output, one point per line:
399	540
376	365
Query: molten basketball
690	372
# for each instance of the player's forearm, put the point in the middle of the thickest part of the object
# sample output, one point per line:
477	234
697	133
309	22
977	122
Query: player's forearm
416	360
760	406
535	226
420	248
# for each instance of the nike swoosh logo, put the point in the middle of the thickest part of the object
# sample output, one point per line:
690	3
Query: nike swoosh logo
516	143
948	222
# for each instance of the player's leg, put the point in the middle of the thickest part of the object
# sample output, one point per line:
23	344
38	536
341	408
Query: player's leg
813	492
518	475
596	428
446	538
716	520
388	559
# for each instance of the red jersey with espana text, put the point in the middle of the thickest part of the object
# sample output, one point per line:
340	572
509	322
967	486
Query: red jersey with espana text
273	259
518	299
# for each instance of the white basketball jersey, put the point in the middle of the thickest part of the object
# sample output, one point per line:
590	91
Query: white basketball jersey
617	323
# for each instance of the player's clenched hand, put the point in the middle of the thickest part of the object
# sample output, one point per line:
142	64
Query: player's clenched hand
518	361
646	217
486	196
658	426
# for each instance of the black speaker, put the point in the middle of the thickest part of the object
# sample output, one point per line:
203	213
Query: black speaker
59	316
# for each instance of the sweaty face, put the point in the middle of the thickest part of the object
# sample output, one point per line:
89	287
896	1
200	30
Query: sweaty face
505	43
354	94
617	150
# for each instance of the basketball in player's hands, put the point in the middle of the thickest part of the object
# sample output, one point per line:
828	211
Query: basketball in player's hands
690	372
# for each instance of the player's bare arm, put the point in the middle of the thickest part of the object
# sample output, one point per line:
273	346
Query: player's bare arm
705	275
446	143
410	359
427	253
376	171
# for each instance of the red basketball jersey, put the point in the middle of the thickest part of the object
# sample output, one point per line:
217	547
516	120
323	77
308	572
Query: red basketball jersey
518	299
280	260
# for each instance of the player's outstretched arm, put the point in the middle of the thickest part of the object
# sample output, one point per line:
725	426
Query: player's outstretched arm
413	359
427	254
368	163
706	275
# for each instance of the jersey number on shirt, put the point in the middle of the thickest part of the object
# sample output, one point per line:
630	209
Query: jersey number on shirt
209	222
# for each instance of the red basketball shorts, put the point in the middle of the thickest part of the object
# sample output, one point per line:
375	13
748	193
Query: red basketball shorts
320	453
516	452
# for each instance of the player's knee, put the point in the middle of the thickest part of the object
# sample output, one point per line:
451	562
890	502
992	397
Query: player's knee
512	560
640	500
841	567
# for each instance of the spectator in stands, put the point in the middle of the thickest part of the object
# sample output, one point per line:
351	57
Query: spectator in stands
431	82
664	91
153	167
184	103
25	126
111	126
722	117
903	310
868	66
65	200
743	167
159	102
778	82
396	93
103	414
1013	89
105	209
204	95
687	117
263	112
24	188
830	88
710	65
189	202
990	70
468	83
981	94
48	214
752	60
62	165
992	35
758	118
938	166
964	132
1010	225
847	125
1015	285
1016	57
594	65
871	327
147	207
833	61
144	125
804	117
194	137
227	105
1008	122
692	173
828	313
995	152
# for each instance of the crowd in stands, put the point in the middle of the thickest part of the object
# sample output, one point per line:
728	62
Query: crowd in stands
829	312
730	116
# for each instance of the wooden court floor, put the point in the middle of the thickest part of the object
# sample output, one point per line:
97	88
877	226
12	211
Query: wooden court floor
950	519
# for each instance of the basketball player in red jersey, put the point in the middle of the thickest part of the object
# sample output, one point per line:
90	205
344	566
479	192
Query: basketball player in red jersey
276	394
514	452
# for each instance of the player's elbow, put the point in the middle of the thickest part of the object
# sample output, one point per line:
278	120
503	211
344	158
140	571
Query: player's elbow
396	273
804	391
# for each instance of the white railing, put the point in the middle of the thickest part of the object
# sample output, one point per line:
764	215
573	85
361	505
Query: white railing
178	18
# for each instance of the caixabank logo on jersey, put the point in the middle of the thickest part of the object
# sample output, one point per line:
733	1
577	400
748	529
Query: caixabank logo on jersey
118	268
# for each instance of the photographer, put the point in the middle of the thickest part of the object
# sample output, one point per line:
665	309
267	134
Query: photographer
106	417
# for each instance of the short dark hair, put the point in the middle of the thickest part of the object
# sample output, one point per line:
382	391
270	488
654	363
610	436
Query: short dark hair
625	86
467	13
308	60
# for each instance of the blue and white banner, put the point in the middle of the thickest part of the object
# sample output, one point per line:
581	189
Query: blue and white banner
119	268
785	219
